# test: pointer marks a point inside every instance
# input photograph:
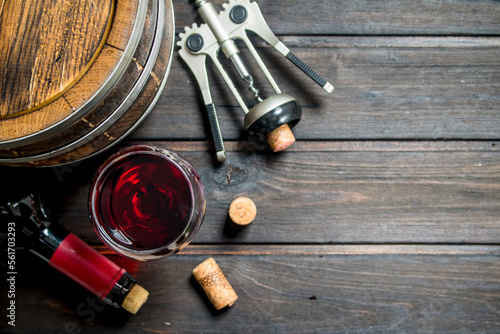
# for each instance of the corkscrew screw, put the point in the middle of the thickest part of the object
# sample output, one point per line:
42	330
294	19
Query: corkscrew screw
271	117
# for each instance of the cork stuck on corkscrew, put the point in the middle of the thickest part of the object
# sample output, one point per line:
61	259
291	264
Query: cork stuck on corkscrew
272	117
281	138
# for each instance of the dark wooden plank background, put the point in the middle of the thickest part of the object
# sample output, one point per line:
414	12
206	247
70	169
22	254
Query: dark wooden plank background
386	88
382	218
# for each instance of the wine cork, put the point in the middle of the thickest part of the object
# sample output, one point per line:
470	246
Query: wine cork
242	211
136	297
281	138
215	284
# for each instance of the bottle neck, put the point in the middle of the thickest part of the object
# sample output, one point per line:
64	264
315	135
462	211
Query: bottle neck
120	290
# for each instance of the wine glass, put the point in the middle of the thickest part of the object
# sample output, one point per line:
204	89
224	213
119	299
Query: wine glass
146	203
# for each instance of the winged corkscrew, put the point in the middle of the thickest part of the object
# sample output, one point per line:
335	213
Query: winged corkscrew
271	117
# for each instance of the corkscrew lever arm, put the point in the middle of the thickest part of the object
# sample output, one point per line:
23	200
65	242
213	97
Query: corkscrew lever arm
255	22
259	26
197	65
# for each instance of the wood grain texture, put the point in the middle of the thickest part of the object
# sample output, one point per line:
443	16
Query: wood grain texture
324	192
381	218
84	91
356	292
87	82
366	17
109	57
338	196
97	75
119	36
386	88
97	119
26	125
45	48
109	135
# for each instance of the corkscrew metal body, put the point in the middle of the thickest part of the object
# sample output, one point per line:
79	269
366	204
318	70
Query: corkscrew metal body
219	33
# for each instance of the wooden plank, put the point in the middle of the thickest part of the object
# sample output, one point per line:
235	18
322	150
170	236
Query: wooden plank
46	48
391	293
386	88
366	196
322	192
327	250
365	17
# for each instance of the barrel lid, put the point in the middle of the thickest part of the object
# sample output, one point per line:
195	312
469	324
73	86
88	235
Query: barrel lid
45	48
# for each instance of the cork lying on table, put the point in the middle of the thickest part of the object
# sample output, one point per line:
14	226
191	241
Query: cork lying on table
215	284
281	138
242	211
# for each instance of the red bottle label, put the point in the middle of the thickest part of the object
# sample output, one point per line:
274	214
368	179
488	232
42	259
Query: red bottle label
85	265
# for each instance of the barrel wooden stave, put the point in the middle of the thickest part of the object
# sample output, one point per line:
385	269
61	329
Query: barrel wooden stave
100	114
46	47
137	111
94	79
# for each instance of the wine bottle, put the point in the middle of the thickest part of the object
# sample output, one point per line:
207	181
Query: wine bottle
29	226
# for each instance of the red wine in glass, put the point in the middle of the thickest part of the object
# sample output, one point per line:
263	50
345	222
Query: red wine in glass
146	202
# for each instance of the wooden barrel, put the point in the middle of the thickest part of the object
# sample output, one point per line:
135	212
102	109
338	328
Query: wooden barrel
78	75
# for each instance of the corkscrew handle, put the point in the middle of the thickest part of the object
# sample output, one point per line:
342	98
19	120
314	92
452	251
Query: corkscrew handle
257	24
196	44
216	133
310	72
